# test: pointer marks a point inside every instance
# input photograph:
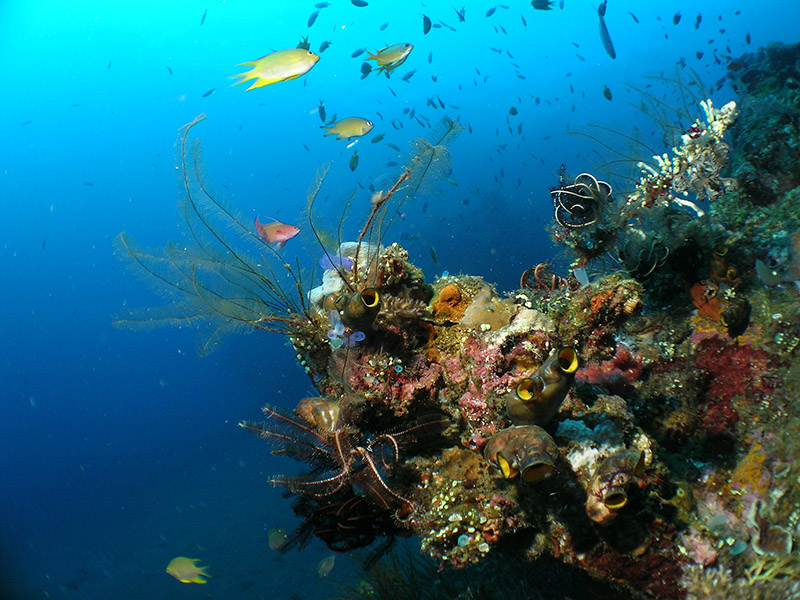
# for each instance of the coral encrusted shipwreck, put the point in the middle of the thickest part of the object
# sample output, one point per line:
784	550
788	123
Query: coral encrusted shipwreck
638	425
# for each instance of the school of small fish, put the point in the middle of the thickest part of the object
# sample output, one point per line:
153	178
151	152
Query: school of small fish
288	64
292	63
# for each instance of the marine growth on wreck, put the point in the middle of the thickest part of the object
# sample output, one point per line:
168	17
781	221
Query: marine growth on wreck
574	419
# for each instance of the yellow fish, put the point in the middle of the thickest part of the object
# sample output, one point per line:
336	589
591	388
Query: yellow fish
282	65
186	570
349	127
277	539
325	566
391	57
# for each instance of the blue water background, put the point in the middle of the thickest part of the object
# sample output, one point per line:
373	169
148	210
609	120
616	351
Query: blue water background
120	449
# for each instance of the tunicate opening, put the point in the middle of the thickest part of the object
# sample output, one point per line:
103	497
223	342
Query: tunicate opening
537	472
529	387
568	360
336	343
506	469
357	336
370	297
615	500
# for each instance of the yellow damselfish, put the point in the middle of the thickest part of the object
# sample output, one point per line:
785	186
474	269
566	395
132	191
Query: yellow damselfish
349	127
391	54
391	57
186	570
282	65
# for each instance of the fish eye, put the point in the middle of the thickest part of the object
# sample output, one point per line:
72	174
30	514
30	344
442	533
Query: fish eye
369	122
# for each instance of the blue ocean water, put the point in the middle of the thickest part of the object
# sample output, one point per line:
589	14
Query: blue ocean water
120	449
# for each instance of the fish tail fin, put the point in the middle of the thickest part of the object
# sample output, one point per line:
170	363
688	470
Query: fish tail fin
251	74
371	56
246	76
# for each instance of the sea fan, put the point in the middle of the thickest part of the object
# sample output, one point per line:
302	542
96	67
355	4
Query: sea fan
211	280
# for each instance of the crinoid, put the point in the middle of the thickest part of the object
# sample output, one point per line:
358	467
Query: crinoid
541	278
581	203
344	522
342	456
641	254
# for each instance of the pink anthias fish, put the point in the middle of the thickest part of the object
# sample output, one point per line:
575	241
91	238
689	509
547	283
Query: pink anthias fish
276	232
